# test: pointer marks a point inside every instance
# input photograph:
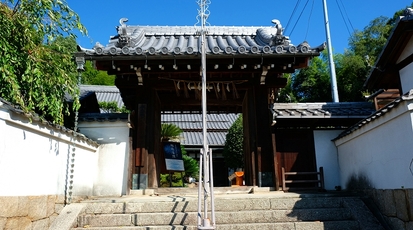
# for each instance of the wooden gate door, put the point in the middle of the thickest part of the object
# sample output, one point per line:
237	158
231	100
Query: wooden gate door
295	151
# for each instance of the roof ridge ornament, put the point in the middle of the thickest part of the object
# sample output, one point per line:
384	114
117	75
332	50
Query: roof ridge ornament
124	38
408	13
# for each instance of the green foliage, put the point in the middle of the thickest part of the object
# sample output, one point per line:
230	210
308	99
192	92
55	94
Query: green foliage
286	94
36	62
312	84
369	42
112	107
233	149
170	131
91	76
351	73
190	164
176	180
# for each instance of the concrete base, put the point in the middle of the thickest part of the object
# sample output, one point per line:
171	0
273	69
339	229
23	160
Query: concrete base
148	192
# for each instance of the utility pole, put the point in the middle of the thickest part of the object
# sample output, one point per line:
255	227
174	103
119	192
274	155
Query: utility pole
205	182
334	91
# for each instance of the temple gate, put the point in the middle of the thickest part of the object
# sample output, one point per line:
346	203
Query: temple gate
157	69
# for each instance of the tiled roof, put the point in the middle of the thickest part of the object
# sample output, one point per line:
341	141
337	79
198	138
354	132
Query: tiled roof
194	121
379	113
190	123
322	110
34	117
104	117
186	40
196	138
103	93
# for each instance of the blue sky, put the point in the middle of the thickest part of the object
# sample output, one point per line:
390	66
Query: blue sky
102	17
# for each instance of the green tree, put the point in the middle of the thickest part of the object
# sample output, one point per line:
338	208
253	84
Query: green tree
36	61
312	84
369	42
233	149
91	76
286	94
112	107
351	71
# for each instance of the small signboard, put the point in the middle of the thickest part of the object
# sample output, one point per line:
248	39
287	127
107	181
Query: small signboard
173	156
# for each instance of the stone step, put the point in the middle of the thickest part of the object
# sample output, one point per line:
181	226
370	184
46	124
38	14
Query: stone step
221	204
194	191
190	218
299	225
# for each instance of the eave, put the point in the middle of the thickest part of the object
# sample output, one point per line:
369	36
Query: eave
385	73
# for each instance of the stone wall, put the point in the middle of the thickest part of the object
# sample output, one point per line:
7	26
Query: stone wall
29	212
395	205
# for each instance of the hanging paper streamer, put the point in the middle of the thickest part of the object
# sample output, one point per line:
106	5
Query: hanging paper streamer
219	88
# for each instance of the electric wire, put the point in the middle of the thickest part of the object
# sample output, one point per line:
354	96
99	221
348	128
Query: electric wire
342	16
309	19
302	11
292	14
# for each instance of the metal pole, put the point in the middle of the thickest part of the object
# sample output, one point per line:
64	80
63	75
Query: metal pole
199	217
205	152
334	91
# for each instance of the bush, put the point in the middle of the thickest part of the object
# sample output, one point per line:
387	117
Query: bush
233	149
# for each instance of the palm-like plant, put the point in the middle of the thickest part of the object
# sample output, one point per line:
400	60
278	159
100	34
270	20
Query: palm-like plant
170	132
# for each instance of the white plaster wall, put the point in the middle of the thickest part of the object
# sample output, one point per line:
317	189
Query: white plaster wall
327	157
381	151
406	74
113	137
406	78
33	158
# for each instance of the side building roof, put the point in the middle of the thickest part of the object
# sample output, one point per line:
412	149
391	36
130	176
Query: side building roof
320	115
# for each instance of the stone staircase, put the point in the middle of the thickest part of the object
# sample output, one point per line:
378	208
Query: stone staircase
233	210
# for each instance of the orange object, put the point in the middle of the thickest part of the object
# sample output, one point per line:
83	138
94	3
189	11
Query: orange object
239	179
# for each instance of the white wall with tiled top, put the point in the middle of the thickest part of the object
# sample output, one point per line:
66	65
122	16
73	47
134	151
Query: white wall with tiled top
380	153
34	158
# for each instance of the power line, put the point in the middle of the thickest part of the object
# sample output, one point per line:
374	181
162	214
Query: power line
309	19
299	17
292	14
342	16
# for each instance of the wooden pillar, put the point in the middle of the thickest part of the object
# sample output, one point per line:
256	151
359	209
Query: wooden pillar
141	152
258	136
154	140
248	117
274	155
